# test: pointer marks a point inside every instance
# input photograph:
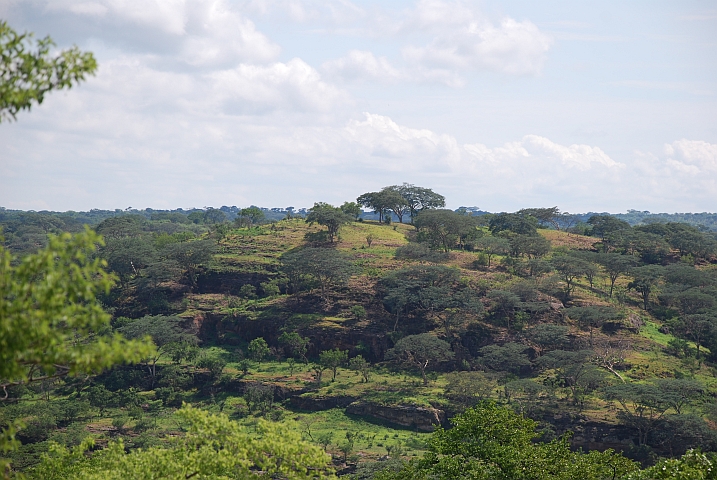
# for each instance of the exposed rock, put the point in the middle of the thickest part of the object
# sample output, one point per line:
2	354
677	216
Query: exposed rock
317	403
592	435
424	419
237	386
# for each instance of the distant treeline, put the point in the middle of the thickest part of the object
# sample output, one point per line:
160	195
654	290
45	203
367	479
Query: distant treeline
17	224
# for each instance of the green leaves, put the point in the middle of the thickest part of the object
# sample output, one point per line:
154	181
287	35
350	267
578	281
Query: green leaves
213	447
50	320
28	71
492	442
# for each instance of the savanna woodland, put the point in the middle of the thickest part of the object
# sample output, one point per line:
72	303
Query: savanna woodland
386	338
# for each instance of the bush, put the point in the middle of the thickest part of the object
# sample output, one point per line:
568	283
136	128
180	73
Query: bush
481	261
358	312
420	252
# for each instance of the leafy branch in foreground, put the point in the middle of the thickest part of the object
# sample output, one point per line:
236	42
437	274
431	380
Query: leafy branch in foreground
51	323
213	447
28	72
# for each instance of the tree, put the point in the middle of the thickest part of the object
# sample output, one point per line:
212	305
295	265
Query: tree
513	223
431	290
333	218
543	215
360	365
375	202
419	198
570	269
693	465
503	304
444	228
212	447
697	328
51	323
642	406
388	199
214	216
593	316
191	255
574	370
394	202
549	336
50	319
258	349
605	224
215	365
616	265
421	351
523	393
128	256
327	267
123	226
510	357
250	216
608	354
164	331
491	245
352	209
645	279
28	71
333	359
533	246
493	442
466	389
679	433
295	344
681	392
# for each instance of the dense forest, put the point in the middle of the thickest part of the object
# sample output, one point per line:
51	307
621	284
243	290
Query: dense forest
386	338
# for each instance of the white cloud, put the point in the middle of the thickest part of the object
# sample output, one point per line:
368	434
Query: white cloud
220	36
201	33
256	88
534	150
359	65
362	65
692	156
582	157
465	40
397	147
168	16
516	48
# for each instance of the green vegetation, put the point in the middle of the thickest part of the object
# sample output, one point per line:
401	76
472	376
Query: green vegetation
192	344
519	325
28	71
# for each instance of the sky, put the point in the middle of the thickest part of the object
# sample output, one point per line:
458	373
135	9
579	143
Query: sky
588	106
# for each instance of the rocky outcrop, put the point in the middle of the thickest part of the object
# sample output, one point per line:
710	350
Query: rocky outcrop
229	282
318	403
591	435
424	419
237	387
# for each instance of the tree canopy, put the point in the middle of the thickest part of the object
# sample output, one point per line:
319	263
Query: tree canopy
420	351
492	442
29	70
333	218
212	447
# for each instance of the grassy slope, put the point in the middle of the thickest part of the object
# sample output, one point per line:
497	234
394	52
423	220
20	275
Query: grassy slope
646	361
258	251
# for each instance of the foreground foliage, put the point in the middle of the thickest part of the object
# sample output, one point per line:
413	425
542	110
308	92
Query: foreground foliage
492	442
51	324
213	447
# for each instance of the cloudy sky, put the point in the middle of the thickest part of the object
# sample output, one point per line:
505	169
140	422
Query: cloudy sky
590	106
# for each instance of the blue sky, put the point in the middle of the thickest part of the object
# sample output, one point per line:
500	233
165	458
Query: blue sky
602	106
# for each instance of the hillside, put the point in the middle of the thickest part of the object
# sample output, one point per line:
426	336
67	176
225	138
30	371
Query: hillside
372	340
